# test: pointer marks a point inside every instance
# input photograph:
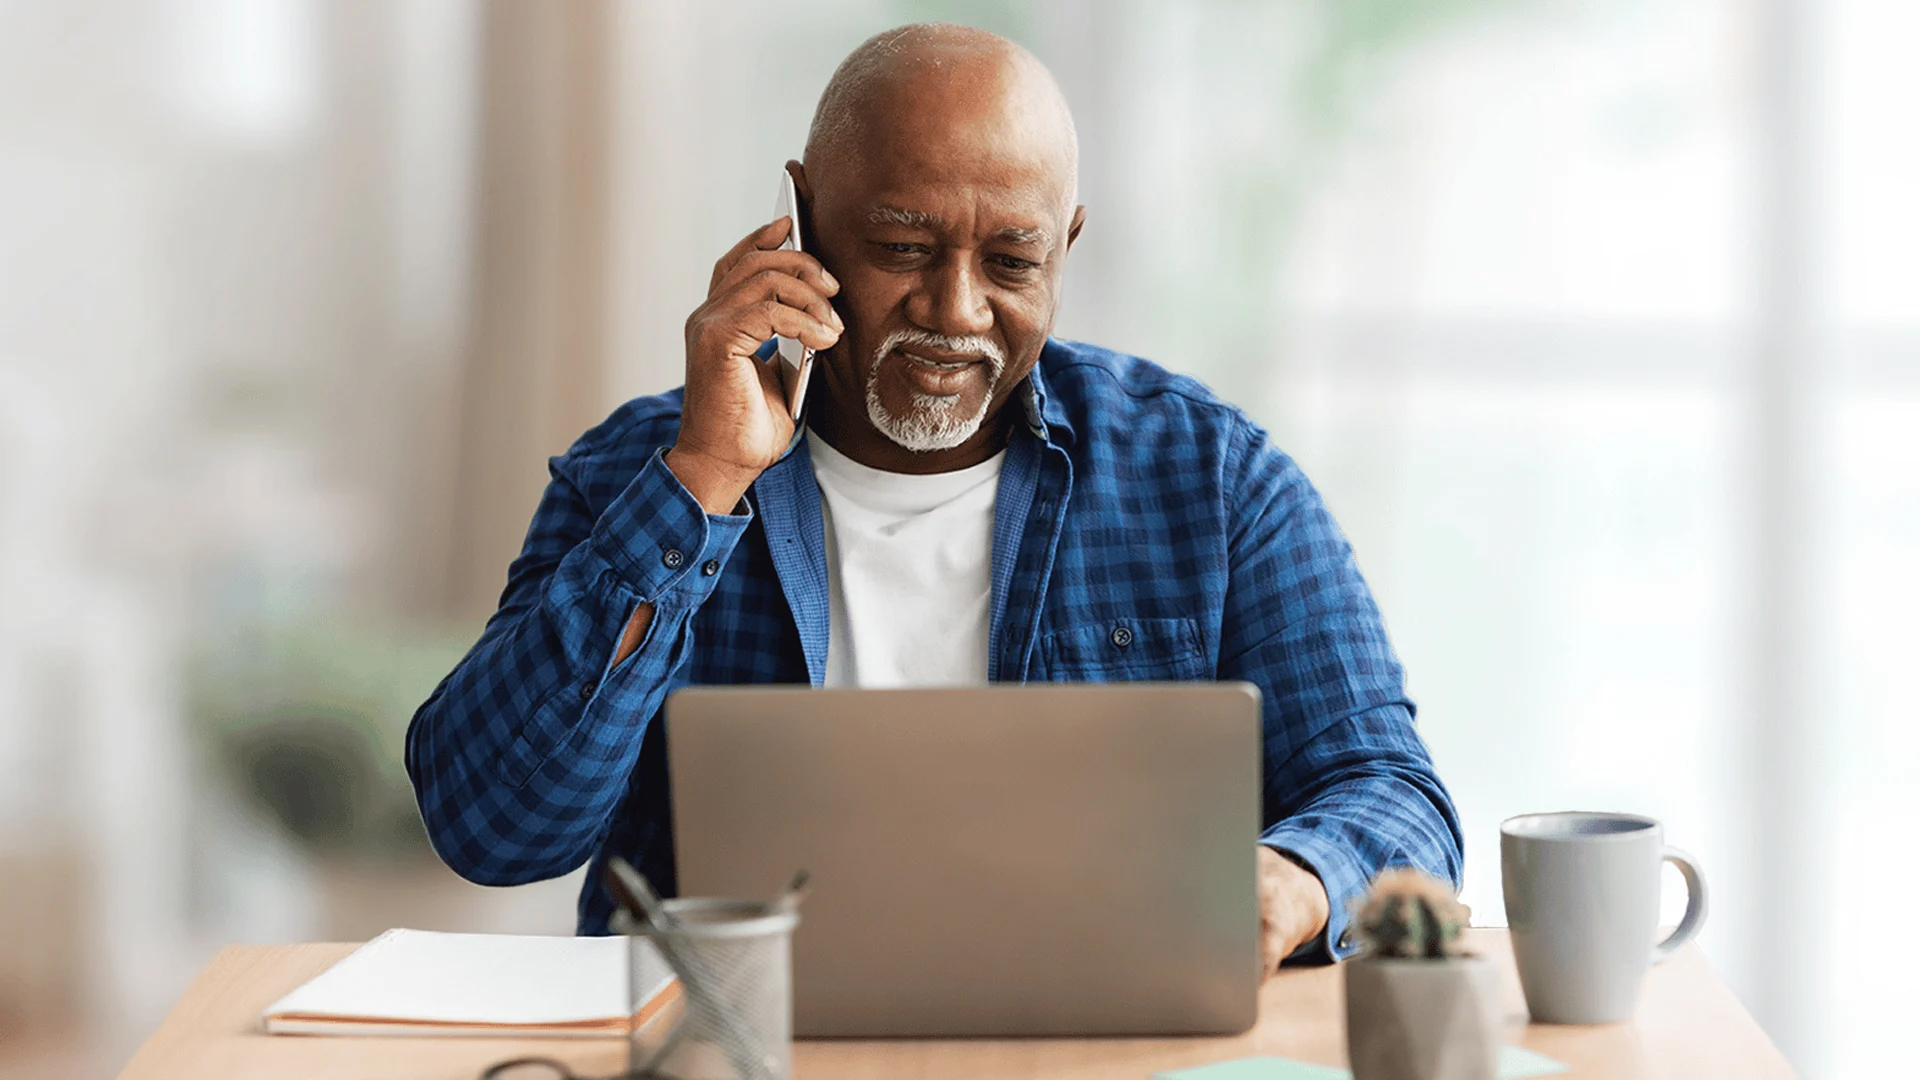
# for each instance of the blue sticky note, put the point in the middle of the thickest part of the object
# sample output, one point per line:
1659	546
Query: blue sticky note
1518	1063
1257	1068
1515	1064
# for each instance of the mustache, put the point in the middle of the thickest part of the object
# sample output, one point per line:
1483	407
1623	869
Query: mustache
972	343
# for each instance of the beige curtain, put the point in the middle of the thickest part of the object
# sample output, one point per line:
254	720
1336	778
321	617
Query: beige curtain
536	351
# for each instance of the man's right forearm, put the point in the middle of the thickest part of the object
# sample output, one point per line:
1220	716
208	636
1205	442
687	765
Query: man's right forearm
522	754
524	751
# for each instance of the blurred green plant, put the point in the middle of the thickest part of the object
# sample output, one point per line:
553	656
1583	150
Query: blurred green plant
306	726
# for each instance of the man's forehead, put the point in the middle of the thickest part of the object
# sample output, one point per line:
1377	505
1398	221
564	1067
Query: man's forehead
985	186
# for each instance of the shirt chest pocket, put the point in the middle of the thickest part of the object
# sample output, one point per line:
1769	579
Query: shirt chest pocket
1125	649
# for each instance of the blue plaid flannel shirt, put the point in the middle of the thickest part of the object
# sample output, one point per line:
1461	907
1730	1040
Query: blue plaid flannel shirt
1130	497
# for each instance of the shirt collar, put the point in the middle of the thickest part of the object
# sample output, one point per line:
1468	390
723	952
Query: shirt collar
1046	418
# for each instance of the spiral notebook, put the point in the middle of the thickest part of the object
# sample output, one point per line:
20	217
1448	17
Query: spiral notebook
421	982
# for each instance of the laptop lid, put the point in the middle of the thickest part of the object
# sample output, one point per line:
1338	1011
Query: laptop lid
1005	860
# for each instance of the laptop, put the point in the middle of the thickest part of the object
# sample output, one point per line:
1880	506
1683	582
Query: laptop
988	861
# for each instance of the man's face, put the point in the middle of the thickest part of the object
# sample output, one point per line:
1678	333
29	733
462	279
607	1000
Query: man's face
948	239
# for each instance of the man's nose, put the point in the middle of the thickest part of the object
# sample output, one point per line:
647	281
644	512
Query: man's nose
952	301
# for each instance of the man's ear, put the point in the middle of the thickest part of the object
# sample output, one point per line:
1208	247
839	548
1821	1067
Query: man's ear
1073	230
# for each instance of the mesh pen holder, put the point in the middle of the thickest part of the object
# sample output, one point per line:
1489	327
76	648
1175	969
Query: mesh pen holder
734	959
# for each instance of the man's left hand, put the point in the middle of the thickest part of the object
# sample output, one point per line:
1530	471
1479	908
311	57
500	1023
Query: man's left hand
1293	907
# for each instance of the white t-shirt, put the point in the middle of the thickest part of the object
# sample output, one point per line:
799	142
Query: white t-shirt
908	580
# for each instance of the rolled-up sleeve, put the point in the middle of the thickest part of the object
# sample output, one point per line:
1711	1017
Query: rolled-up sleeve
1350	788
522	754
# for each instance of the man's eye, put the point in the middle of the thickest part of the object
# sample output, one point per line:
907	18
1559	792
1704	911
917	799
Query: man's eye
897	248
1017	265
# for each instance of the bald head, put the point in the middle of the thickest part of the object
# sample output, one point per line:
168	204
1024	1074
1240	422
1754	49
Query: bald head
916	83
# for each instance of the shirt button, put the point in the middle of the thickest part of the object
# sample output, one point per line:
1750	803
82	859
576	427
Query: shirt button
673	558
712	567
1346	939
1121	637
587	688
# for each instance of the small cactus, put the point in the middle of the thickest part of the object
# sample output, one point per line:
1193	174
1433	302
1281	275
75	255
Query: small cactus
1410	915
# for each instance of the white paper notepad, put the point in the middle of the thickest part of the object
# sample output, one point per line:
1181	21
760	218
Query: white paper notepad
420	982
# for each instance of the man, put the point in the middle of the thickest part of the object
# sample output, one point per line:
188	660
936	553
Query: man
969	501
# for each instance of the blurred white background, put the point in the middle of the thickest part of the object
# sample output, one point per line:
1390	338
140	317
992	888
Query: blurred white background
1598	322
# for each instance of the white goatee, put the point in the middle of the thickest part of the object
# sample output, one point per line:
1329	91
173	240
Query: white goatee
935	422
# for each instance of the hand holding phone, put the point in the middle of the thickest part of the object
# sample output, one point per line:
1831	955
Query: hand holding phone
738	416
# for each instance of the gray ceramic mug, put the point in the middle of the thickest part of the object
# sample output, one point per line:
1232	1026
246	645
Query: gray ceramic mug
1583	902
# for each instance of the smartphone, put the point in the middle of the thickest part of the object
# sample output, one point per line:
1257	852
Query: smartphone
796	360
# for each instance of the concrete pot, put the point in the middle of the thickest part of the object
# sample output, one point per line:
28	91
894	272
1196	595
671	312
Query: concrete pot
1423	1019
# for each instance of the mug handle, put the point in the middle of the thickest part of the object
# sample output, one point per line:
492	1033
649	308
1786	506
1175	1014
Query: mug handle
1696	904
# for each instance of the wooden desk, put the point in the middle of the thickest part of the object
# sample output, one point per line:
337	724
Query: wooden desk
1690	1027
